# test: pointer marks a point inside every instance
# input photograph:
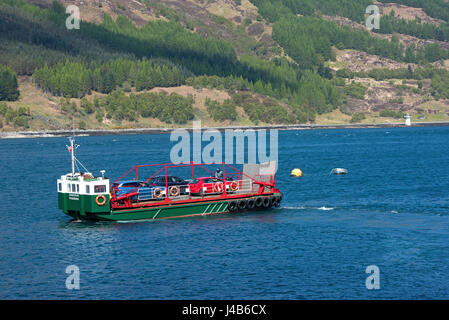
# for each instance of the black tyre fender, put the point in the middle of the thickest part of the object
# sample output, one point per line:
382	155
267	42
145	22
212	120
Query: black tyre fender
266	202
250	204
277	201
232	206
242	204
259	202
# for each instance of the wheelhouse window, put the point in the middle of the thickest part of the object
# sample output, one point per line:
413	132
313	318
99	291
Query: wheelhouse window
87	189
60	186
100	188
73	187
78	188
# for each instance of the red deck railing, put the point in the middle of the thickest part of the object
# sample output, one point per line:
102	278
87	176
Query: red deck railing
263	187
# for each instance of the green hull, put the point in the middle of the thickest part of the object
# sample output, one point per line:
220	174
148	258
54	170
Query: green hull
164	211
81	206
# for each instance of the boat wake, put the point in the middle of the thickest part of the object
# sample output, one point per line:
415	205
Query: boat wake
294	208
325	208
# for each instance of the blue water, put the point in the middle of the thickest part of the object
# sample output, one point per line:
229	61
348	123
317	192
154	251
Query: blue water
391	210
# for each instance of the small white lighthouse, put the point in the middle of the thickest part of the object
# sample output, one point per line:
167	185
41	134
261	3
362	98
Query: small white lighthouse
408	120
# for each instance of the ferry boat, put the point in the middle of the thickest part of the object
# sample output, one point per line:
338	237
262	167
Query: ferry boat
161	195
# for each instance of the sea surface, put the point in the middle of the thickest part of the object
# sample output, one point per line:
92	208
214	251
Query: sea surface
391	210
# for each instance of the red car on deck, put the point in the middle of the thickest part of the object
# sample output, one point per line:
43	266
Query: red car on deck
211	185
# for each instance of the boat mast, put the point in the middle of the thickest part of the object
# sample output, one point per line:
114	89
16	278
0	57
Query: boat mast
72	152
72	147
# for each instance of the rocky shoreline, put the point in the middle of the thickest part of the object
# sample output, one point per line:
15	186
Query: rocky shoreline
102	132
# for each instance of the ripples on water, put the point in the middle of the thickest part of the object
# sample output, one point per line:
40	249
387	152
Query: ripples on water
390	210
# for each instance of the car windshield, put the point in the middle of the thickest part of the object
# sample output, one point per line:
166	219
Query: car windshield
133	184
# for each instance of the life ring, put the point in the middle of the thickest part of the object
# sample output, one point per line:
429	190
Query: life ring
97	200
232	206
234	186
157	194
218	187
266	202
250	204
174	191
259	202
242	204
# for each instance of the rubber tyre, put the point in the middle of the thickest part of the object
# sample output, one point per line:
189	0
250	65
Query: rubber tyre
259	202
250	204
232	206
242	205
266	202
277	202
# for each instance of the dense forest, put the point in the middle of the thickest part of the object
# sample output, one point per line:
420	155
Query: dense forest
8	84
75	79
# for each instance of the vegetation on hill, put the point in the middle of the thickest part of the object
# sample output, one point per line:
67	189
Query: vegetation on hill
273	10
102	71
390	24
8	84
309	40
221	111
19	118
118	54
75	79
169	108
434	8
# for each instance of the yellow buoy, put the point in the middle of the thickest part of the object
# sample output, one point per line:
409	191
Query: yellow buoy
296	173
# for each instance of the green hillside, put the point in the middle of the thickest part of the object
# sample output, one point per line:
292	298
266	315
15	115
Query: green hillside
270	62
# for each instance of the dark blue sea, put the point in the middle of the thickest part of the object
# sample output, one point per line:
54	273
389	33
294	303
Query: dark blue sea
391	210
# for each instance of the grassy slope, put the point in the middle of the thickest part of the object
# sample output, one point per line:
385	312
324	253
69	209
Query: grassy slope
47	114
